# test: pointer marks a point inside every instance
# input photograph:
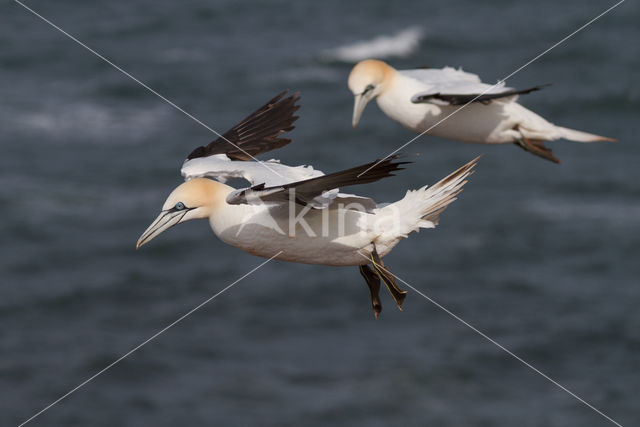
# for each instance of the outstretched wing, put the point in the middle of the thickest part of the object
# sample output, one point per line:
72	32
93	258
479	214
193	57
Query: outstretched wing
448	86
227	157
441	76
256	134
270	173
463	98
304	192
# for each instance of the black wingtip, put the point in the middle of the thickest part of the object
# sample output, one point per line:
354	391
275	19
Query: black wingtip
257	133
378	169
483	98
532	89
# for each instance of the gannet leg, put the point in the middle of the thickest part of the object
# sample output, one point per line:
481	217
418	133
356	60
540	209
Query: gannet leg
373	282
388	278
536	147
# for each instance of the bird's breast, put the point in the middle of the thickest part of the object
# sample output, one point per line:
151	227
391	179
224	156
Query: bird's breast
396	104
310	236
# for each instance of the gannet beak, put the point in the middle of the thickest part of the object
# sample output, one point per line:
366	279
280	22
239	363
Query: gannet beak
165	220
360	101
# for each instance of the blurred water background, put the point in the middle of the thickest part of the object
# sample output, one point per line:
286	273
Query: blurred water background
544	258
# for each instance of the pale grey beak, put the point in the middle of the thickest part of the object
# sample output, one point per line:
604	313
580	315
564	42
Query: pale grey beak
360	101
165	220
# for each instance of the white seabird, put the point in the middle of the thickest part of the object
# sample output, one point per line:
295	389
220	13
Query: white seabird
421	99
298	212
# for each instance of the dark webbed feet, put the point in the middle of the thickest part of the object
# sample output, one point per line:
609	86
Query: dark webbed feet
388	278
373	277
373	282
537	148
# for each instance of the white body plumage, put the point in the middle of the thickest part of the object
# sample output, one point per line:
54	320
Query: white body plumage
424	100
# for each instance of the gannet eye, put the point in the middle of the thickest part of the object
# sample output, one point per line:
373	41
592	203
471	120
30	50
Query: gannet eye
179	206
368	88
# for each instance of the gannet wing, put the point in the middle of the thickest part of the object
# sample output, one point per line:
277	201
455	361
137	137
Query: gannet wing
460	97
257	133
309	191
438	76
448	86
353	201
226	157
270	173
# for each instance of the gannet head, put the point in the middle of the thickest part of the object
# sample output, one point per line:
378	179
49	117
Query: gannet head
366	81
193	199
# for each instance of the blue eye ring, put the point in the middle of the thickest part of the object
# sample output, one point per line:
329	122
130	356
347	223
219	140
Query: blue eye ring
179	206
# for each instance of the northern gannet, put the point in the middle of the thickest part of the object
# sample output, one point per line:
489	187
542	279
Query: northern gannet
420	98
298	212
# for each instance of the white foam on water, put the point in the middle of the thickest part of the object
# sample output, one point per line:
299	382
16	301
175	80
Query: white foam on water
400	44
605	211
92	121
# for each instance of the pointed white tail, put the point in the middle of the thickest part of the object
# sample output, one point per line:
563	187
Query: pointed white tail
579	136
422	208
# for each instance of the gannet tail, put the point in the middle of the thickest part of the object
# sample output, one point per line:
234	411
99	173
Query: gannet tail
422	208
579	136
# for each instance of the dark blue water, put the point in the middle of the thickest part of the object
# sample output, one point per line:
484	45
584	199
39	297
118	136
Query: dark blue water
542	258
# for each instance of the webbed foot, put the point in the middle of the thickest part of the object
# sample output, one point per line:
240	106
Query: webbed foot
388	278
537	148
373	282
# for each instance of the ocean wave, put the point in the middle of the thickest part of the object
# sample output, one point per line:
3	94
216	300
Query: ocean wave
91	121
400	44
609	211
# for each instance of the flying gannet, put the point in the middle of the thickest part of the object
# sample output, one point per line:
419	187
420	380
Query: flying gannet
422	99
299	212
